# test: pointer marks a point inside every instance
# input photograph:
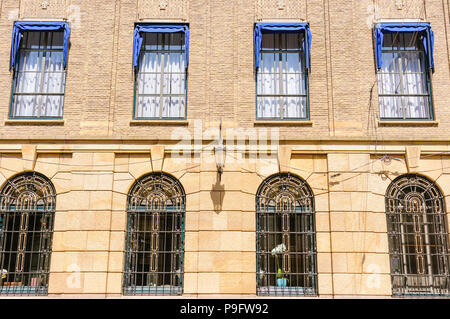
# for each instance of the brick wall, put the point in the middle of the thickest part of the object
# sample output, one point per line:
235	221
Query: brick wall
99	92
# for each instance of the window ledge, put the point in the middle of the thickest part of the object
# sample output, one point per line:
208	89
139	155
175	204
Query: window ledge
159	123
283	123
33	122
408	123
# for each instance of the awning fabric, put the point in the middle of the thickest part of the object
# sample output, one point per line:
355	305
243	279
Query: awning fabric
422	27
157	28
269	27
37	26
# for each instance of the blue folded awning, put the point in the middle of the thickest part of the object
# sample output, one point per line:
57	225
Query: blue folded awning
157	28
283	27
421	27
37	26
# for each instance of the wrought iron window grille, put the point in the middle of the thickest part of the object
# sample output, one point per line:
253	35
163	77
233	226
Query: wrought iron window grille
39	82
27	209
418	238
154	254
286	245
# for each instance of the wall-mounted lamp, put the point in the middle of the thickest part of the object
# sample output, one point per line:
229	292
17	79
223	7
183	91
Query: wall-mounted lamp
220	153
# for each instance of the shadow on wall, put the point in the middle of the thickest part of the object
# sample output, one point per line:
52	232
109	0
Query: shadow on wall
217	196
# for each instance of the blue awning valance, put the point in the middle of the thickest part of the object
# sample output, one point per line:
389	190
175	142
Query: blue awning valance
280	27
157	28
37	26
421	27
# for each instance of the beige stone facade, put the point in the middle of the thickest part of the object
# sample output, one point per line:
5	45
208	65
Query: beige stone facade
96	152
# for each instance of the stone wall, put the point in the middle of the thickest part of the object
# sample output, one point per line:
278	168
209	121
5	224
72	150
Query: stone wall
220	239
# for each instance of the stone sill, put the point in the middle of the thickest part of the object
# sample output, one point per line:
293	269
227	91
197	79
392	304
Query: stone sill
159	123
34	122
283	123
408	123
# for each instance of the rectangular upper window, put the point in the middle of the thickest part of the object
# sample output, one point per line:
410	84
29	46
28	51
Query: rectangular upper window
39	57
404	58
282	61
161	53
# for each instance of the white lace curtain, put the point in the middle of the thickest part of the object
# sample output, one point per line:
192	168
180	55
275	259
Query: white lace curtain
281	79
403	90
40	78
161	84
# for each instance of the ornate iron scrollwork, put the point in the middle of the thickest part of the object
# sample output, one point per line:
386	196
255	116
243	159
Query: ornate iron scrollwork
155	237
286	249
27	208
418	239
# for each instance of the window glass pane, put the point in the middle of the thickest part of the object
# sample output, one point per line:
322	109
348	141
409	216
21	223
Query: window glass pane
161	74
268	41
40	71
391	107
51	106
269	107
53	83
270	84
56	40
295	107
387	41
397	43
30	61
410	41
27	82
174	83
291	63
165	38
172	62
281	74
54	61
389	83
402	81
294	41
26	105
150	62
417	107
149	83
414	83
389	64
148	107
292	84
270	63
173	107
177	41
150	41
32	40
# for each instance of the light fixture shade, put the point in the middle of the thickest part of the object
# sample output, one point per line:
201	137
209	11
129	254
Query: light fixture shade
219	153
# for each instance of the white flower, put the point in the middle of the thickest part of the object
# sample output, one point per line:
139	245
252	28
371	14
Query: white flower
279	249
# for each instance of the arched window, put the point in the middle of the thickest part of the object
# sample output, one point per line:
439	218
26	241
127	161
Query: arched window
27	209
418	239
155	237
286	247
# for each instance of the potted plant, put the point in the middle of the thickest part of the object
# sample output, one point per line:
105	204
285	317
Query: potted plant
278	250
